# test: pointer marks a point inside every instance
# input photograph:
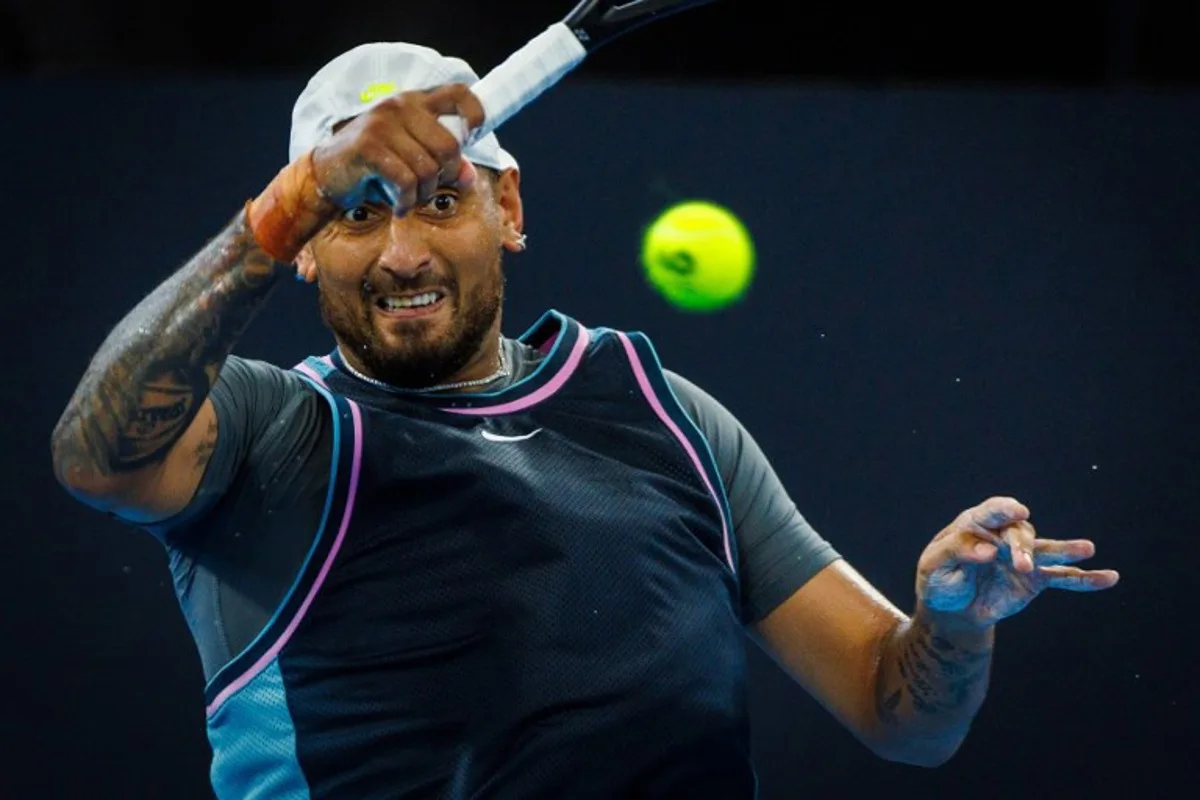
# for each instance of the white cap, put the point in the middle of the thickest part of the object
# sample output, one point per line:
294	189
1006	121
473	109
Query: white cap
359	79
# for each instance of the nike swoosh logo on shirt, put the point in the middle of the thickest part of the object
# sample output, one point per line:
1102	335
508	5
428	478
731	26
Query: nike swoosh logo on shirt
498	437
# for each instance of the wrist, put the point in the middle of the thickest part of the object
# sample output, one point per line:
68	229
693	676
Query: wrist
952	625
289	211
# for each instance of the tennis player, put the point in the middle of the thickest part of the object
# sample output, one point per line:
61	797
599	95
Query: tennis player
439	562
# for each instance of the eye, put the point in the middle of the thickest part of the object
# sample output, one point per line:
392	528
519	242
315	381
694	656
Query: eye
358	214
442	204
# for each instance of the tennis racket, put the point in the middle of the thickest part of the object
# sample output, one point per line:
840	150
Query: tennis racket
553	53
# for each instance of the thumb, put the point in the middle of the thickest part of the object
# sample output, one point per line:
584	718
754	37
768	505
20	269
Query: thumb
997	513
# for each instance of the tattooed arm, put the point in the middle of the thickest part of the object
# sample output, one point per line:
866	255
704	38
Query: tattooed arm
907	688
137	434
931	681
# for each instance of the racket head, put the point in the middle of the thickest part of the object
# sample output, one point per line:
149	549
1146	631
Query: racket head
596	22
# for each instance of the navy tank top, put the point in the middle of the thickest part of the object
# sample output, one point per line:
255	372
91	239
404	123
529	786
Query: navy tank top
523	594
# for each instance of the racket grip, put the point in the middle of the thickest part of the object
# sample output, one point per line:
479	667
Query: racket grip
524	75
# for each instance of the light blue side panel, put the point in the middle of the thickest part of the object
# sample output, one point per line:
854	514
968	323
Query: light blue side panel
254	743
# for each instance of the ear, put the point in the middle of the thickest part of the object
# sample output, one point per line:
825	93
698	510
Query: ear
507	194
306	265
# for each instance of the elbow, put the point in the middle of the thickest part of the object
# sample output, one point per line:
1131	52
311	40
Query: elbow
81	479
64	460
79	482
72	474
65	472
926	759
84	486
123	495
917	752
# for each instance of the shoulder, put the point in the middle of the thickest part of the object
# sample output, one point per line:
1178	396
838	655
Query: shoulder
709	415
731	446
266	401
250	376
778	550
269	421
251	394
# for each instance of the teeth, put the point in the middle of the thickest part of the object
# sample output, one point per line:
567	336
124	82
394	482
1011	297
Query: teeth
426	299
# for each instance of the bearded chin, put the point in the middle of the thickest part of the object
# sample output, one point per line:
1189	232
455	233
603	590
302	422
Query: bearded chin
421	362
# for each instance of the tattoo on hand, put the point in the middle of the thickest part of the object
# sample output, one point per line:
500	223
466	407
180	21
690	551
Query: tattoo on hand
151	375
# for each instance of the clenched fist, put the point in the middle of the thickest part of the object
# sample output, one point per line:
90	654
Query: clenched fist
398	153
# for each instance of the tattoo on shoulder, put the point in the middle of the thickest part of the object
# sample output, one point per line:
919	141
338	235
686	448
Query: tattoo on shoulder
208	445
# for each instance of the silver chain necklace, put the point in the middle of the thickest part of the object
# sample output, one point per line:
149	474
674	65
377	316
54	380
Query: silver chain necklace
501	372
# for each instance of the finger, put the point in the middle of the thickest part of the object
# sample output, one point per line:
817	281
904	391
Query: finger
305	265
1052	551
440	143
998	512
964	548
1074	579
467	175
976	551
1020	537
421	163
456	98
394	171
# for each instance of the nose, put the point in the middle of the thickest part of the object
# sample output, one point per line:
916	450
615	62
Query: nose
407	253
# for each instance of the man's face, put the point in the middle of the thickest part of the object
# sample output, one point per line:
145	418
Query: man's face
413	300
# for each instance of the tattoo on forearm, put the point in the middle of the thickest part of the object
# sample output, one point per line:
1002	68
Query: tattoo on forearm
153	372
930	676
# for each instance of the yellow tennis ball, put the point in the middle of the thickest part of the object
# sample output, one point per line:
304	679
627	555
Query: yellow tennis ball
698	255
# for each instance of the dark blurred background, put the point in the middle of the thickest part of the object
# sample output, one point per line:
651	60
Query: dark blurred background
1063	42
977	232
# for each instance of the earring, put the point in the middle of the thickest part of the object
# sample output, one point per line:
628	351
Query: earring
521	242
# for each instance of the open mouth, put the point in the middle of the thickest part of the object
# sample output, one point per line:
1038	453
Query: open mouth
410	305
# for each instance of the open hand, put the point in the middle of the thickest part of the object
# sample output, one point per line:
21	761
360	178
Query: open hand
989	564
